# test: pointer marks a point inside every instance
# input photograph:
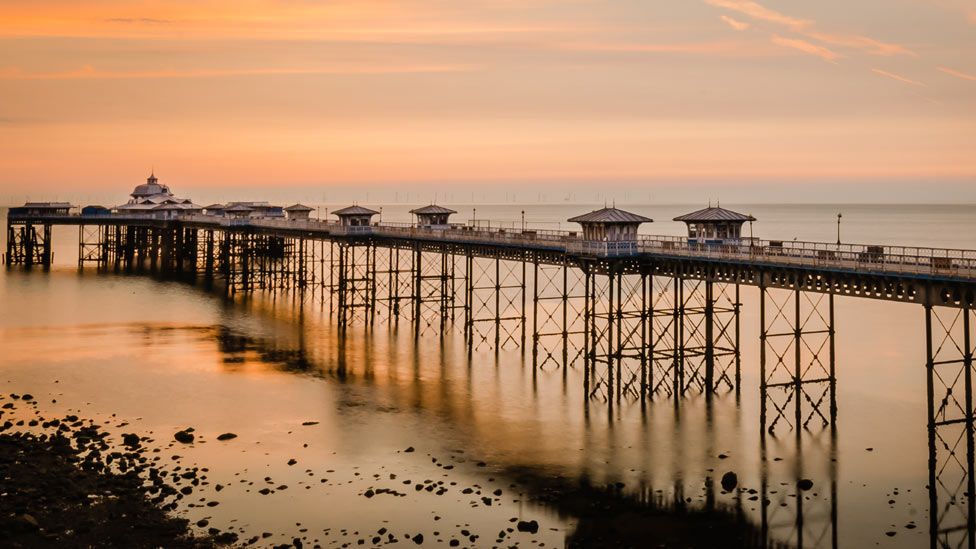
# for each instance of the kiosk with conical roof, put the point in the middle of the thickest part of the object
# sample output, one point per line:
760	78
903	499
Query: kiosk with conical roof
610	231
298	211
714	225
432	216
355	216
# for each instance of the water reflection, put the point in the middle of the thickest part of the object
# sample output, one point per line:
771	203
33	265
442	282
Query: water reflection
535	428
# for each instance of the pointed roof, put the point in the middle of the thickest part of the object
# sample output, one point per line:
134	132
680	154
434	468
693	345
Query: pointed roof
610	216
714	214
432	209
298	208
214	207
354	210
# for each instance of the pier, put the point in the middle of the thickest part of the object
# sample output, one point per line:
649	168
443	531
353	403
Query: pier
646	317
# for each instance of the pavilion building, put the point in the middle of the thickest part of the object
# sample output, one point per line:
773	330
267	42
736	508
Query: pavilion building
610	225
610	231
714	225
153	199
355	216
433	216
298	211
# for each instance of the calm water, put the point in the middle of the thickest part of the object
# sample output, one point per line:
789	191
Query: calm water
166	355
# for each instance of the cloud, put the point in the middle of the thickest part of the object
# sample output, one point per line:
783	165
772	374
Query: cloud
806	47
863	43
734	23
146	20
806	28
88	72
958	74
761	13
897	77
692	48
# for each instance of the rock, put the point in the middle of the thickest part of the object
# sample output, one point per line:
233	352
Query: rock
729	481
409	449
486	500
130	439
418	539
292	461
307	423
804	484
226	436
27	396
529	526
184	436
26	522
369	493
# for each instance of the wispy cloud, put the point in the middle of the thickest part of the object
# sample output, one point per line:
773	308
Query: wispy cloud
92	73
735	23
807	29
897	77
806	47
145	20
958	74
761	13
862	43
731	49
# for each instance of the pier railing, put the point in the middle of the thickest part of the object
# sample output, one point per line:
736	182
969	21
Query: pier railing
941	262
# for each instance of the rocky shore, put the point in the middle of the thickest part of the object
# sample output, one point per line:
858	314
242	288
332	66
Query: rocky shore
63	485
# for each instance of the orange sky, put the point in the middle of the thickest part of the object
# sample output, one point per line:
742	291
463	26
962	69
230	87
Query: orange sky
300	92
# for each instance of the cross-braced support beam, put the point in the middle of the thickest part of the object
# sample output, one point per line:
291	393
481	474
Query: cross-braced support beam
92	245
356	283
618	352
558	296
495	300
797	358
29	245
949	387
434	290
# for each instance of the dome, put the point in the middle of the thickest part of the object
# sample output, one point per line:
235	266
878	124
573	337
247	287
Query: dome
151	187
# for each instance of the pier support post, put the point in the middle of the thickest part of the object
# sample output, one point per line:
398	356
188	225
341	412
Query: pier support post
618	318
797	357
949	387
496	292
558	300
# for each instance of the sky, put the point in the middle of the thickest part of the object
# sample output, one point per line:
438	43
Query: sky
830	100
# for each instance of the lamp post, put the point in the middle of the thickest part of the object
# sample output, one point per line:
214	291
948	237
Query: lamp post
751	239
523	221
838	228
474	217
